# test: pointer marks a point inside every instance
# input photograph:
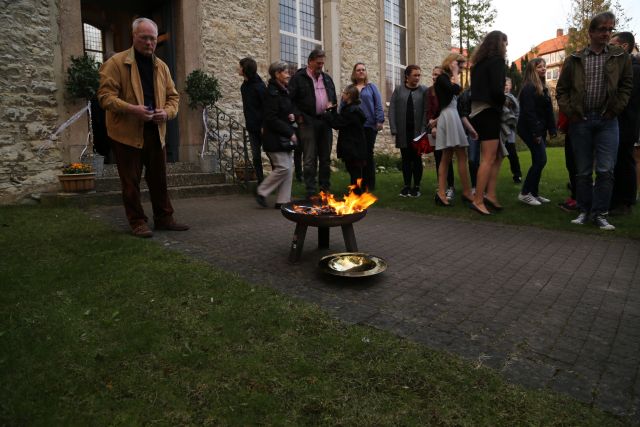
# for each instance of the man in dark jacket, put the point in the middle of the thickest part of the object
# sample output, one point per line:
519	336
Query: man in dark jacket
253	91
593	89
625	186
312	91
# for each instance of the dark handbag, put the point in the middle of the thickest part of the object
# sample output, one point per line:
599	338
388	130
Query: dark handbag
422	145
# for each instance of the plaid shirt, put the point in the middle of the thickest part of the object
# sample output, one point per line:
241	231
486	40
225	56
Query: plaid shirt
595	82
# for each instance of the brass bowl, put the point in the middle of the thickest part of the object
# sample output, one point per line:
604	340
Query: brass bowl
352	264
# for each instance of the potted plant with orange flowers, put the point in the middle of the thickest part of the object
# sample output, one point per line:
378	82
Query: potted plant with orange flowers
77	177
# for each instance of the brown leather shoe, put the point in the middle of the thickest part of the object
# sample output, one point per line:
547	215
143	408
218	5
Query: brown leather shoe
142	230
172	226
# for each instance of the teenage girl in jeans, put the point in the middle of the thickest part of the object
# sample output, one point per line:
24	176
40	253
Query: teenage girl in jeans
536	119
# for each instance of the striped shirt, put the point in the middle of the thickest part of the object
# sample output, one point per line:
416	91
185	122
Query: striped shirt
595	82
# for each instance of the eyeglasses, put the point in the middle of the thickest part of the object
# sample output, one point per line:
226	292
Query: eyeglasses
605	29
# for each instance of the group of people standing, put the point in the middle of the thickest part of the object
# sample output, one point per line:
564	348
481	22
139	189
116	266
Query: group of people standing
454	127
296	115
598	94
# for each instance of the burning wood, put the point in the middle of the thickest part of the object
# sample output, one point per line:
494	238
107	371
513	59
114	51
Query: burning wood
355	201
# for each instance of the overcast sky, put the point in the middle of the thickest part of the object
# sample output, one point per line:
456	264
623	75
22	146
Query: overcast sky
532	22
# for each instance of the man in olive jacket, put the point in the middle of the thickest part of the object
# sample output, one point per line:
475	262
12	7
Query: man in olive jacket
593	89
139	96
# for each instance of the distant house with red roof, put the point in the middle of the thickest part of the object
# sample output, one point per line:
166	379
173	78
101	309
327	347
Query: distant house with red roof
552	51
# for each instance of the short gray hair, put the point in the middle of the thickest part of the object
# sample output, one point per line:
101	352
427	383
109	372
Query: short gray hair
139	21
277	67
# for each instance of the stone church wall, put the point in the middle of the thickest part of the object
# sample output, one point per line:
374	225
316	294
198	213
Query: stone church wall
32	101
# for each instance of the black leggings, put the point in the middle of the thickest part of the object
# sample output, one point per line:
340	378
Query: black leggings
411	166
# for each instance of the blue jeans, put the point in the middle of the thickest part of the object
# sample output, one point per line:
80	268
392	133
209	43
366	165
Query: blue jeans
595	141
474	159
538	162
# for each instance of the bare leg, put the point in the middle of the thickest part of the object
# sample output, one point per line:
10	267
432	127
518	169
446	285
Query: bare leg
463	172
489	150
443	169
492	195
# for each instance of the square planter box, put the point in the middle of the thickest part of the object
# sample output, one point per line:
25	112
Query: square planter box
77	183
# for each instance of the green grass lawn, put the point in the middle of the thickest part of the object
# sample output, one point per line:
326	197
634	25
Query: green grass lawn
99	328
553	185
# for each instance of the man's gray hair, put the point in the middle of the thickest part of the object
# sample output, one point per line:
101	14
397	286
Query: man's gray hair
139	21
277	67
601	18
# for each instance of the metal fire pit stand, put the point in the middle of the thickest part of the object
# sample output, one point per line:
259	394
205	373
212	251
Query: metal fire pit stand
323	240
323	223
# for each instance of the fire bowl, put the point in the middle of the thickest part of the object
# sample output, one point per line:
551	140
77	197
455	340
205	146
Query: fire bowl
352	264
322	220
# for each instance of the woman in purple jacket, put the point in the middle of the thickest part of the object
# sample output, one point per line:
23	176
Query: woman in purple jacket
371	106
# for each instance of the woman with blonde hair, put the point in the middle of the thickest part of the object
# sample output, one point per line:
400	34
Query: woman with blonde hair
450	135
371	105
536	119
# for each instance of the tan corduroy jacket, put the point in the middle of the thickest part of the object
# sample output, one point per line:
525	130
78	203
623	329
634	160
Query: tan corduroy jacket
120	85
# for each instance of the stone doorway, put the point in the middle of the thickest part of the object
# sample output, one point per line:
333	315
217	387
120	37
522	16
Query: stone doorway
112	21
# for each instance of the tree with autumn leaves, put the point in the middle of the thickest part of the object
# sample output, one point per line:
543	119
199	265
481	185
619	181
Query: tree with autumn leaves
583	11
471	20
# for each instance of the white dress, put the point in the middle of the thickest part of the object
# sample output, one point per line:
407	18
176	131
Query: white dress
449	130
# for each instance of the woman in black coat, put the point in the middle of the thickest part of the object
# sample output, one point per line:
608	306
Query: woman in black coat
352	144
536	119
278	137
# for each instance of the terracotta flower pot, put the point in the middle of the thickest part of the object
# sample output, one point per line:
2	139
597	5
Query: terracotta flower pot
78	182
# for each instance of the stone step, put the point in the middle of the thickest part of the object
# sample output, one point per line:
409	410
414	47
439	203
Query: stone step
112	183
111	170
115	197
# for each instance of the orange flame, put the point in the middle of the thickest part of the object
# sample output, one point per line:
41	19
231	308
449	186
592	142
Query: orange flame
352	203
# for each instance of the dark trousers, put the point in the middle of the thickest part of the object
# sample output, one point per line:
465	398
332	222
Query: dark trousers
514	161
356	170
438	156
538	162
255	139
130	161
570	164
369	170
316	138
625	185
411	166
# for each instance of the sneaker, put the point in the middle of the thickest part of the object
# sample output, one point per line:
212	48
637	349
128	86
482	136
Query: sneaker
601	222
568	205
517	180
529	199
405	192
450	193
542	199
415	192
581	219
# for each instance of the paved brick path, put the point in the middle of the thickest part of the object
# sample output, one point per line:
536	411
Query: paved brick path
546	309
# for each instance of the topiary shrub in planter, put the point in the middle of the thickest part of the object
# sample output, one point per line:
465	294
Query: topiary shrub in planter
203	91
83	78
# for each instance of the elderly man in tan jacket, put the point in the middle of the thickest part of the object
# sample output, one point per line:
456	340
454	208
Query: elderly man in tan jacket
139	96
